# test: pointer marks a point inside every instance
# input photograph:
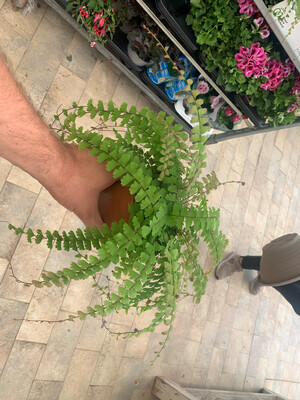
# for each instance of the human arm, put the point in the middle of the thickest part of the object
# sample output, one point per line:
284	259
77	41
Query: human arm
72	177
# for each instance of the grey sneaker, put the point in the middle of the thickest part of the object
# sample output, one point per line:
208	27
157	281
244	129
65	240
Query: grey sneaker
228	266
255	286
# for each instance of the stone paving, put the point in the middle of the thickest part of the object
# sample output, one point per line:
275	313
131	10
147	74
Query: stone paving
232	340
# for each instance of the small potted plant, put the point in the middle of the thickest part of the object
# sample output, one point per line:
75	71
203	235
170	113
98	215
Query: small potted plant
155	253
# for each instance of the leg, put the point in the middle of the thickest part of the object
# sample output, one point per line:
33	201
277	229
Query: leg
251	262
291	293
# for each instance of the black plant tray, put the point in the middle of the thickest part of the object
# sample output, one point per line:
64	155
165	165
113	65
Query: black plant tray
157	89
118	47
184	33
249	111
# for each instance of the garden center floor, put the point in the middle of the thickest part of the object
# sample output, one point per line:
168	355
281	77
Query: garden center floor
232	340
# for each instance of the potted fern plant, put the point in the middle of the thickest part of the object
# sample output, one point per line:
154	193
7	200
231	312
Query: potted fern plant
155	253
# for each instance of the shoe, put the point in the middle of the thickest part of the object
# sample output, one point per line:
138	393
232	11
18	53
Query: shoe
256	286
228	266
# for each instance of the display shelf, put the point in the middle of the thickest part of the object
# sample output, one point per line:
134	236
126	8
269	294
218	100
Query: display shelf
116	50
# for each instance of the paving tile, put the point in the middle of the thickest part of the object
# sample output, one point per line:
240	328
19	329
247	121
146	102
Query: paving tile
59	350
5	167
290	179
199	377
34	93
11	314
261	172
13	45
45	390
215	368
47	213
136	346
101	84
3	267
79	295
240	374
283	211
225	327
238	216
44	305
207	345
254	148
24	180
279	187
224	163
274	164
99	393
24	26
254	355
231	190
129	371
79	375
141	394
240	155
198	318
280	139
247	177
143	101
125	89
109	361
44	53
266	198
253	205
15	206
64	90
122	393
82	57
258	232
20	369
286	155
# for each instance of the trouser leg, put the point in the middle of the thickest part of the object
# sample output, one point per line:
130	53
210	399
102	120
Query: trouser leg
251	262
291	293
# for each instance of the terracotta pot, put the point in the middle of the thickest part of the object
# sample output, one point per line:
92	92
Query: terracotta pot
113	203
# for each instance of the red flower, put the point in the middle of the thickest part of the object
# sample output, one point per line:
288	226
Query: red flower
235	118
83	12
228	111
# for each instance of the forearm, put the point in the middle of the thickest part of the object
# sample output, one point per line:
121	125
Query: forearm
25	140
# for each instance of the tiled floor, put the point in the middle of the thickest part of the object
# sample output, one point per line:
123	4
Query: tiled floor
232	340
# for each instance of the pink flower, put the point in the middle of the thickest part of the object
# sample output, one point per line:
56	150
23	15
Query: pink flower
288	68
228	111
244	116
294	107
235	118
247	7
259	21
203	87
98	16
214	101
251	60
83	12
265	31
92	44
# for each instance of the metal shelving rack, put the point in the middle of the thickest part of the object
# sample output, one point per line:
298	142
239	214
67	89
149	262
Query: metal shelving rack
214	138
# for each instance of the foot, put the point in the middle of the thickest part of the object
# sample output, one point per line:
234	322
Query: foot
228	266
255	286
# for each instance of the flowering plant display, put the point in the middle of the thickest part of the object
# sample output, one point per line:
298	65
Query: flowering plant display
99	17
229	118
237	42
